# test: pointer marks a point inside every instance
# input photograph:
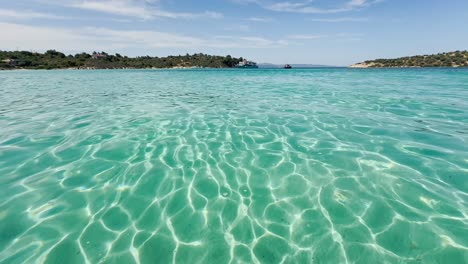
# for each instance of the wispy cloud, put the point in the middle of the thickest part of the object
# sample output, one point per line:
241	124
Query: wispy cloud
306	37
141	9
238	27
26	15
247	41
40	38
339	19
359	3
245	2
350	36
338	36
263	42
122	8
309	6
260	19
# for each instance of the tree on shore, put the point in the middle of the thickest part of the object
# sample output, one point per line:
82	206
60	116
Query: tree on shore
53	59
446	59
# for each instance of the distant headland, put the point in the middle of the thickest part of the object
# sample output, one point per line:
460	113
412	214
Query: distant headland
52	59
446	59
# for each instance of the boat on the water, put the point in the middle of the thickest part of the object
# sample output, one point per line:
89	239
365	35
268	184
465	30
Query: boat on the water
287	66
247	64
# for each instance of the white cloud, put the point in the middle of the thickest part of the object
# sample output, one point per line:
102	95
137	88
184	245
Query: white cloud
141	9
238	27
27	37
23	15
288	6
142	38
306	37
339	19
16	36
260	19
358	2
339	36
245	2
302	8
123	8
261	41
246	41
308	6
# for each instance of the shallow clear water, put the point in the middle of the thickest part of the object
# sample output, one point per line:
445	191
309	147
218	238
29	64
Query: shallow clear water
234	166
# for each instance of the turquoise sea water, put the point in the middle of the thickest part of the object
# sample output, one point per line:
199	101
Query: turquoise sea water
234	166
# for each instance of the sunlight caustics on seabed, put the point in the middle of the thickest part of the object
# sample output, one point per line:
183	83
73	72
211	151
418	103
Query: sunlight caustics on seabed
234	166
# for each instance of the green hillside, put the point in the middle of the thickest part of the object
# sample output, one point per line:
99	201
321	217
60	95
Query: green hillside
446	59
57	60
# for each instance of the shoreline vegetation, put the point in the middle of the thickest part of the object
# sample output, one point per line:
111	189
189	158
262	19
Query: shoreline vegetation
55	60
453	59
52	59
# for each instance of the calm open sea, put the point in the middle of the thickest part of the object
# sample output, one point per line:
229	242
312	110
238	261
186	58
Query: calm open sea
234	166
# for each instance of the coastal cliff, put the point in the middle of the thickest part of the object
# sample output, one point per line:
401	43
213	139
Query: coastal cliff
446	59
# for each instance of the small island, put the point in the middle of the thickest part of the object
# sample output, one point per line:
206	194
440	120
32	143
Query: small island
52	59
446	59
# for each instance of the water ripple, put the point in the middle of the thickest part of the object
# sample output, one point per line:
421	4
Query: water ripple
224	166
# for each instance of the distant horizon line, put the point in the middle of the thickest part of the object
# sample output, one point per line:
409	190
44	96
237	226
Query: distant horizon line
304	65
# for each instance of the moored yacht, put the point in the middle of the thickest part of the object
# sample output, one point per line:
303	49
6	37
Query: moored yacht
247	64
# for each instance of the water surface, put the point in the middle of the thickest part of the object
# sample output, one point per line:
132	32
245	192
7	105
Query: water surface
234	166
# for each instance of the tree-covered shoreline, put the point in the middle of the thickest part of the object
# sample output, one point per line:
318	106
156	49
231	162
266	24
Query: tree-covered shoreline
446	59
10	60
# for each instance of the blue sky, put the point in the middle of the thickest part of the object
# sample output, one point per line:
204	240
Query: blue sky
331	32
